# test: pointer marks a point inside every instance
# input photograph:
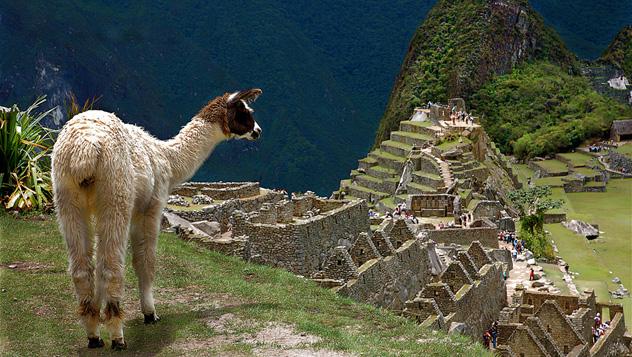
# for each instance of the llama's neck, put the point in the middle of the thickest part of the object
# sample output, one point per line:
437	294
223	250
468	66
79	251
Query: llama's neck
188	150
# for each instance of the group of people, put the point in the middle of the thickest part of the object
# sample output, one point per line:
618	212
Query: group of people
490	336
518	245
442	225
600	327
402	211
461	116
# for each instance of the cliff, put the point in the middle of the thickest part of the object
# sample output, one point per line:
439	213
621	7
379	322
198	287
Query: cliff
619	53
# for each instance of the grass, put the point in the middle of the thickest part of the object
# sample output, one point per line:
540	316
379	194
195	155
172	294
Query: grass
612	252
552	166
553	181
448	145
625	149
37	307
577	159
554	274
524	172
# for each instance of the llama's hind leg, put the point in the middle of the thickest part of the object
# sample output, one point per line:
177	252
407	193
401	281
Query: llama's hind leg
113	230
144	238
74	222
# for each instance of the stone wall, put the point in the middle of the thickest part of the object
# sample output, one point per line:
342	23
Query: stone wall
303	246
222	211
488	209
421	203
218	190
488	236
388	282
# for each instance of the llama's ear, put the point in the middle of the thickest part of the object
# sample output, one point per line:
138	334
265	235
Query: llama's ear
249	96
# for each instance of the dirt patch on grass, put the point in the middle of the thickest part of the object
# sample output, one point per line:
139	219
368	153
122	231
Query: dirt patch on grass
25	266
282	335
269	339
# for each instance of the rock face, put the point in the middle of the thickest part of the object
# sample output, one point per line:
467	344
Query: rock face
582	228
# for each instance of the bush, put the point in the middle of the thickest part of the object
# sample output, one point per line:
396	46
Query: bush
25	182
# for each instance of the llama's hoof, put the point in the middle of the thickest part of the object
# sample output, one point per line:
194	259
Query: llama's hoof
151	318
119	345
95	342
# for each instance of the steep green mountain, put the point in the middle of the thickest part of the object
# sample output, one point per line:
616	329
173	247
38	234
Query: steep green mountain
461	45
539	109
619	53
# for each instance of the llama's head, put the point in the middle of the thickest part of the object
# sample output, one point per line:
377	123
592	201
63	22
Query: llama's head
240	120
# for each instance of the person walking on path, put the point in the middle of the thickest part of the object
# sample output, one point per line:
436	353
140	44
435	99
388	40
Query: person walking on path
531	275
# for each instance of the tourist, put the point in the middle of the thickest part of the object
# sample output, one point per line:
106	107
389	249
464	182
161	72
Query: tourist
597	320
595	334
486	339
531	275
514	254
494	332
567	268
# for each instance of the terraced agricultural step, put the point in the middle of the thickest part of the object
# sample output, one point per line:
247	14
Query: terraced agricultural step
388	160
416	127
366	162
365	193
415	188
396	148
376	184
428	179
409	138
382	172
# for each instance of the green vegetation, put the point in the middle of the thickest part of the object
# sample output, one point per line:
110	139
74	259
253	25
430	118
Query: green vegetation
194	289
579	159
539	109
532	203
619	53
552	166
625	149
455	51
611	252
24	148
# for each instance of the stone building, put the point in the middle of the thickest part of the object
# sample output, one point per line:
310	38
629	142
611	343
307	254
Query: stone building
545	324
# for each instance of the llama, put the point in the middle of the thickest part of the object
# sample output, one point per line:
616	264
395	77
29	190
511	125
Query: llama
111	181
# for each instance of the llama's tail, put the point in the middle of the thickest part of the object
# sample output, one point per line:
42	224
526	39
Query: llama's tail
76	157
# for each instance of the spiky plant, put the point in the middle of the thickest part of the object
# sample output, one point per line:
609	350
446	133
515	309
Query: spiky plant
25	145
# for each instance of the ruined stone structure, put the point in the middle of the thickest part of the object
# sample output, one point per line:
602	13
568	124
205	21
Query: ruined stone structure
621	130
545	324
264	226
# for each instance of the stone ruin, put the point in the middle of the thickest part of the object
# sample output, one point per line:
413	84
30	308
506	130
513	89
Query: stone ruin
295	233
449	279
544	324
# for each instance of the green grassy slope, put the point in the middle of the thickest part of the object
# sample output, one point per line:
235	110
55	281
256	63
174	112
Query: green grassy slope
540	109
460	45
194	290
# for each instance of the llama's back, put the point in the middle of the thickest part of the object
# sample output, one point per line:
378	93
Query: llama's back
87	142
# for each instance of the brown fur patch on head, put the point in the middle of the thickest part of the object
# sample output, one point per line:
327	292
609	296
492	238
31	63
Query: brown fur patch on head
215	112
113	309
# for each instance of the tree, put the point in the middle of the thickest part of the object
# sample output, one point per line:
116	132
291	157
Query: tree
532	203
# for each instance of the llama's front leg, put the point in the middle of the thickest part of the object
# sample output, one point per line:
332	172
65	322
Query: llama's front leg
113	230
74	224
144	238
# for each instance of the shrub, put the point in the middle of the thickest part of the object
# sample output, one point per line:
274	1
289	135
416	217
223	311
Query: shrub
25	182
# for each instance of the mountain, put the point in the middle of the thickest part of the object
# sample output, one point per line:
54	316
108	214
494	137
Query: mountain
514	72
324	68
461	45
619	52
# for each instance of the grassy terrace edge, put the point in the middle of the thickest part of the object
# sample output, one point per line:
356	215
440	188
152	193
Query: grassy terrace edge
37	307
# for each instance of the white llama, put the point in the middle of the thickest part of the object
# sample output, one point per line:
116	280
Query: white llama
118	177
